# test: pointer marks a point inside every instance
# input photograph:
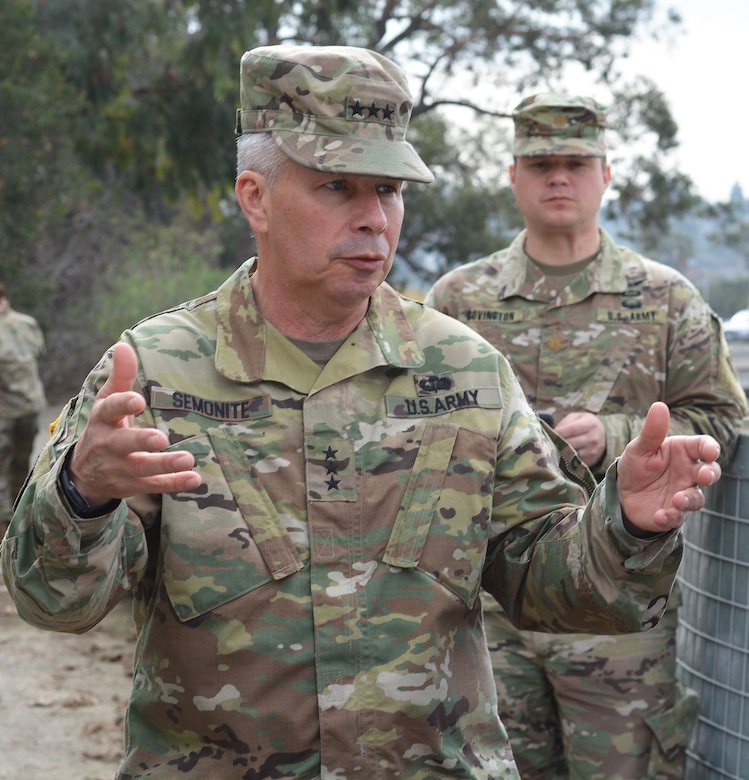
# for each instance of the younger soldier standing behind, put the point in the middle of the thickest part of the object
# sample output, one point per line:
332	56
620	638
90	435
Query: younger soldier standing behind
596	333
21	400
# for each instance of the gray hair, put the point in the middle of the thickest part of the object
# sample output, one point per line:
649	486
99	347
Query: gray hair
260	153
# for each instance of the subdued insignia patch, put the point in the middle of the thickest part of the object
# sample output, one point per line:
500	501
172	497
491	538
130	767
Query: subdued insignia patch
331	469
429	384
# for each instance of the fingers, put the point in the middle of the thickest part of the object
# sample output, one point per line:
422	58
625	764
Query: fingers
124	371
660	479
126	440
700	448
710	472
145	465
691	499
117	403
142	472
708	450
122	466
654	430
120	407
574	424
684	502
585	432
114	457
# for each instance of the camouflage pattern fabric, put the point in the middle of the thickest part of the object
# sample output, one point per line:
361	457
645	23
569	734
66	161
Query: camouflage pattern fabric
599	707
21	345
620	335
625	333
21	399
16	446
312	610
331	108
555	124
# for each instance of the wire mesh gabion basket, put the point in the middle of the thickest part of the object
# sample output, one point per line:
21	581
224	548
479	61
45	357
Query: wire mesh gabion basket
713	633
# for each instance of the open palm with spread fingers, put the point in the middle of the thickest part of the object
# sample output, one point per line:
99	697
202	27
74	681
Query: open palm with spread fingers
115	459
660	477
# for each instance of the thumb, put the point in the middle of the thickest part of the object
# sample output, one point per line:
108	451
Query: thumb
654	429
124	371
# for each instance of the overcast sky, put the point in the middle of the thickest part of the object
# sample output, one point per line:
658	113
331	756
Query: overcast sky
704	76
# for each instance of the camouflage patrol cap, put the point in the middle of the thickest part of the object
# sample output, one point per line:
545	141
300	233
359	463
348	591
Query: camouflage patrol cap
551	124
331	108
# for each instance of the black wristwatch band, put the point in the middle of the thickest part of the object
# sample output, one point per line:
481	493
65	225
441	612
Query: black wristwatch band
78	503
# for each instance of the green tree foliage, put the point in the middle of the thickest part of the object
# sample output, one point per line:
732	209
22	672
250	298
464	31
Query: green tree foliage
37	170
158	108
160	76
164	267
650	193
141	96
134	267
468	211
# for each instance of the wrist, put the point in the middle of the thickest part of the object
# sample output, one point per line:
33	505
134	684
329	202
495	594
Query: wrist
79	505
636	531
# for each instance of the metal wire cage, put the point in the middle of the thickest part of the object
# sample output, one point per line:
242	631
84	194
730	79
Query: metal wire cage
713	633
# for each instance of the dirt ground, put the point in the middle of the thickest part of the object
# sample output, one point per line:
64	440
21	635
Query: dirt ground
62	696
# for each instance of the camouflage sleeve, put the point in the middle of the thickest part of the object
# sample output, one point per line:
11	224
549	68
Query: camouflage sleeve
702	388
440	298
65	573
572	569
704	392
40	344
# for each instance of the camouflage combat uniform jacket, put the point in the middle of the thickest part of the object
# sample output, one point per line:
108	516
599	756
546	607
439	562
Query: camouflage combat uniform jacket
21	345
654	337
312	610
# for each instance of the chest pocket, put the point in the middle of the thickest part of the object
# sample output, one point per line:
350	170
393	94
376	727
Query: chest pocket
441	526
225	538
592	365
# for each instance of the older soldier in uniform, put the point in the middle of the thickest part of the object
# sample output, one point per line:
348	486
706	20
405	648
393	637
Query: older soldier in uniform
21	400
596	333
318	475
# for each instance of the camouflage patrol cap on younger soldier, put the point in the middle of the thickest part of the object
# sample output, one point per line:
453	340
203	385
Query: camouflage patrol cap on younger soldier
552	123
331	108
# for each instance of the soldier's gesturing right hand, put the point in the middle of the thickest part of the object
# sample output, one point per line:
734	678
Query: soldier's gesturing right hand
113	458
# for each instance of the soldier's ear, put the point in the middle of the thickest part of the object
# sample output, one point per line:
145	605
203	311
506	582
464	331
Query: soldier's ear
251	190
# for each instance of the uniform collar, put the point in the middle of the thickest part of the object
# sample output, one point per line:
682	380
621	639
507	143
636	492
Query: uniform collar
606	274
383	337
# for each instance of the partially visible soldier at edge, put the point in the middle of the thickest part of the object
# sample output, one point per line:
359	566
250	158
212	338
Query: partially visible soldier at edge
21	400
596	333
304	478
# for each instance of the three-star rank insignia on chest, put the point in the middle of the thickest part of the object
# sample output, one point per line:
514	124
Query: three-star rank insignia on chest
331	473
331	467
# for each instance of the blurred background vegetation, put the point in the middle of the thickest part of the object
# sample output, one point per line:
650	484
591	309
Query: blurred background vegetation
117	149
